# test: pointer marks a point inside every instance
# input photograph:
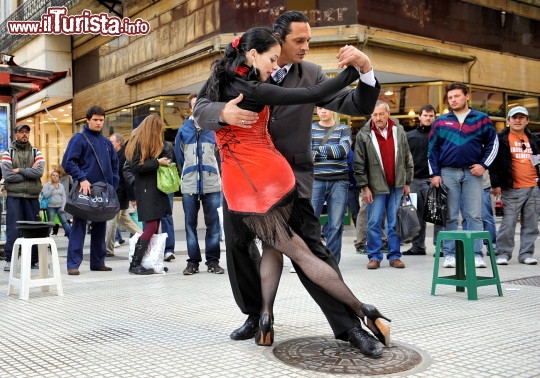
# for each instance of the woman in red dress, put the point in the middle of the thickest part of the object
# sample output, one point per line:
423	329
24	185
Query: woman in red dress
258	183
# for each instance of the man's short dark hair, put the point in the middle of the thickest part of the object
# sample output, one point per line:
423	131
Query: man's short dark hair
282	26
457	85
95	110
427	108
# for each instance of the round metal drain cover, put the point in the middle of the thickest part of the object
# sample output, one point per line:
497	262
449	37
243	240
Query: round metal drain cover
328	355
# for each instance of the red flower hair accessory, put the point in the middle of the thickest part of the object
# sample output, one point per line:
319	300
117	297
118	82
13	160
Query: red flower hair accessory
236	42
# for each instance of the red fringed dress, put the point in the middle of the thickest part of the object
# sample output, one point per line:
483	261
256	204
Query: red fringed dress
258	182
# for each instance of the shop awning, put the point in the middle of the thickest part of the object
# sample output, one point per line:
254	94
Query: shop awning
25	81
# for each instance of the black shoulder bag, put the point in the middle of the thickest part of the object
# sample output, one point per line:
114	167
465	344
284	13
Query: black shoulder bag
100	205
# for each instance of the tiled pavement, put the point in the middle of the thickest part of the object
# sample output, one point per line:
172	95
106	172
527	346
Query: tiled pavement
113	324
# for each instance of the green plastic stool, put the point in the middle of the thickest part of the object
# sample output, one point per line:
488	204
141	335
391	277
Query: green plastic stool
465	276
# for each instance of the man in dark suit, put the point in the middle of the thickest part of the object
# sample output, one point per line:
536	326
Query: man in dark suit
290	127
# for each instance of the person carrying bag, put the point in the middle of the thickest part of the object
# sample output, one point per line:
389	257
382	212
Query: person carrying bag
100	205
407	226
435	206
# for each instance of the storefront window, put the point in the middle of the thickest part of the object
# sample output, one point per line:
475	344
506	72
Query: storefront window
488	101
405	101
174	113
529	102
120	121
51	131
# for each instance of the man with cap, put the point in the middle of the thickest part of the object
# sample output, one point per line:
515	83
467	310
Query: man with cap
518	150
22	168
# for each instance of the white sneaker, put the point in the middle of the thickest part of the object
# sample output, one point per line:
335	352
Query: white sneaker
8	266
501	261
530	261
169	256
449	262
479	262
116	244
292	270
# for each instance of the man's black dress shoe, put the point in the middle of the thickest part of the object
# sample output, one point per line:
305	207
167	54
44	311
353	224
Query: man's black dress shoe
412	252
368	345
248	329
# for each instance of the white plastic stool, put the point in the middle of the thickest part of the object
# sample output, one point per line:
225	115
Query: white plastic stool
21	263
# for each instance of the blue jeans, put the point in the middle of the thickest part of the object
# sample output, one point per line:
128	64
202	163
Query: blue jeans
192	204
52	211
167	226
465	193
488	221
375	211
335	194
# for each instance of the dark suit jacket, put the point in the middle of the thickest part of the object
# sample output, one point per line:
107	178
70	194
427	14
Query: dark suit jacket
290	125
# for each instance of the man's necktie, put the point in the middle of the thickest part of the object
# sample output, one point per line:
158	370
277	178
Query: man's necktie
280	75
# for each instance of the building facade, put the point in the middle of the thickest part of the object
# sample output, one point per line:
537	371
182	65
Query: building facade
416	47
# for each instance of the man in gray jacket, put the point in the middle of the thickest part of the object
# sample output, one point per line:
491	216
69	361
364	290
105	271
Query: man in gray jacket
384	168
22	168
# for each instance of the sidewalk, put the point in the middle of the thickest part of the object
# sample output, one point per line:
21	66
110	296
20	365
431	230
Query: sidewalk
113	324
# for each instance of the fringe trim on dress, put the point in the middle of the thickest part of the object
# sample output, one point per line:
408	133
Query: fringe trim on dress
270	226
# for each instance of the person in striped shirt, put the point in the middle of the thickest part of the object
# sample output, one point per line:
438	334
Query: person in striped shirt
330	144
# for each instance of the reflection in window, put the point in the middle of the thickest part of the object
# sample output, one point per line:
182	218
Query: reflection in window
174	113
529	102
488	101
142	111
406	100
120	122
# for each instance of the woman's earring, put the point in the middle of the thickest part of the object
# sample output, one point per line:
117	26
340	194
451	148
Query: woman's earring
254	70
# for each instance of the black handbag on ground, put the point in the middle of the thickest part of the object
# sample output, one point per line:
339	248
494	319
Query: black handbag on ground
407	224
100	205
435	206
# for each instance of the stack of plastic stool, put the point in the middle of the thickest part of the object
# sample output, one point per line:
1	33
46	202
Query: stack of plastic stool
465	276
21	267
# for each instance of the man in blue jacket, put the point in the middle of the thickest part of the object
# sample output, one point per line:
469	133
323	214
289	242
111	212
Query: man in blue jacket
195	150
81	163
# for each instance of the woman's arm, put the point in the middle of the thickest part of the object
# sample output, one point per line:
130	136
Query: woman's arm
48	190
269	94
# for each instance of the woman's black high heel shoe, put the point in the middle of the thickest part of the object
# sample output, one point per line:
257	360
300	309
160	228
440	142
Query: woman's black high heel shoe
265	334
372	318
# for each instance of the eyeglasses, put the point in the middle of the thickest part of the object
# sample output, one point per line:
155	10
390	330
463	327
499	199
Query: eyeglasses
24	131
523	146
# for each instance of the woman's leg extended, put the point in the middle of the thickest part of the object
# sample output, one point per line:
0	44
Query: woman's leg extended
316	270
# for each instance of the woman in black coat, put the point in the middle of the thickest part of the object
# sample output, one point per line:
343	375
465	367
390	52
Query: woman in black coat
145	154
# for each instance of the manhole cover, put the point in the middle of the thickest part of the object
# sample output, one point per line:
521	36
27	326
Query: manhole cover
527	281
328	355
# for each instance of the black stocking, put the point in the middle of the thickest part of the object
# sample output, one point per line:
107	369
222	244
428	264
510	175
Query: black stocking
318	271
271	269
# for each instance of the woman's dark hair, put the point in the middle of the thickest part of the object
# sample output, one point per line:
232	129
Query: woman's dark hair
224	69
282	26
